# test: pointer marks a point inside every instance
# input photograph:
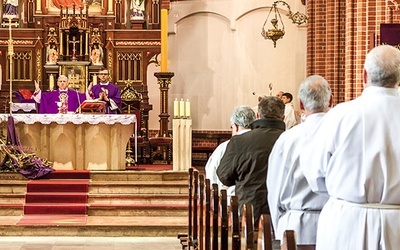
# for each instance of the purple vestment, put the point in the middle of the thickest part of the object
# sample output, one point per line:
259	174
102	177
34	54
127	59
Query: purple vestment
48	101
113	94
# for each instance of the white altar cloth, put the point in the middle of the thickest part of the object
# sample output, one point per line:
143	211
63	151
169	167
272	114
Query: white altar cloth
77	141
26	107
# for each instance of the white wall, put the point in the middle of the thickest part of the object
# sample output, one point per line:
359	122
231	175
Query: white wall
219	58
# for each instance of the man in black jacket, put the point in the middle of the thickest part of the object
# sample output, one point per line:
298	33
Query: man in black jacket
245	162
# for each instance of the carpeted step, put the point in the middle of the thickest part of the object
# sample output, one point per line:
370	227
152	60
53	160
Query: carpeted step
52	197
68	174
58	186
58	208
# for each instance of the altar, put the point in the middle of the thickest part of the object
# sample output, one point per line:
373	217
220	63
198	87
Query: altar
77	141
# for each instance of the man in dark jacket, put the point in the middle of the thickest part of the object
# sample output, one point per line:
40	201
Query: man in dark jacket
245	162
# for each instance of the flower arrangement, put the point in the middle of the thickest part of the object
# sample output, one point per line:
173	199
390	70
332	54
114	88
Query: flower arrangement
16	160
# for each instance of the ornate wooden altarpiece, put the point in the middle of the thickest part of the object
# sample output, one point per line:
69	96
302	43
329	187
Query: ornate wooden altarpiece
67	37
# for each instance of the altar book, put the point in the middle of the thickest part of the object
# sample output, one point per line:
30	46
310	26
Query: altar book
92	106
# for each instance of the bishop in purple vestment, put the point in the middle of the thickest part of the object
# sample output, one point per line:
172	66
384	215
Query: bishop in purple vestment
61	101
108	92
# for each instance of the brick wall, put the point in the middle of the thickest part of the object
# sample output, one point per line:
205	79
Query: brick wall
340	34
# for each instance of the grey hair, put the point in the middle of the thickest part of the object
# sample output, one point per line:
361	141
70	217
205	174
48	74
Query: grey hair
382	65
271	107
63	76
243	116
315	93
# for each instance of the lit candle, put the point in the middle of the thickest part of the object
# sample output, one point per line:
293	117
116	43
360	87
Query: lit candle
181	108
164	39
187	108
94	79
176	108
51	82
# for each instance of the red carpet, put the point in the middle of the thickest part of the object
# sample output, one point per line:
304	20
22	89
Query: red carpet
68	186
53	220
59	199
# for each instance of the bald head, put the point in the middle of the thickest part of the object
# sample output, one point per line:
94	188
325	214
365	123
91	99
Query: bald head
382	67
315	94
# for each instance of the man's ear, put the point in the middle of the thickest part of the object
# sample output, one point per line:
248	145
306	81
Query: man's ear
302	105
236	128
365	78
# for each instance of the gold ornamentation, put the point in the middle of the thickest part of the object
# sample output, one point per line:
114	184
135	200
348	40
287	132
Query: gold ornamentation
277	33
138	43
17	42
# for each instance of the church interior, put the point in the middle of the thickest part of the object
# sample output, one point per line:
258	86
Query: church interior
211	55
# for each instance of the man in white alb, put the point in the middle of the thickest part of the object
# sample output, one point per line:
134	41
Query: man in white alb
356	161
292	203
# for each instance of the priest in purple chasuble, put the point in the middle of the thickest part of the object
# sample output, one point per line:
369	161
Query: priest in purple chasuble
62	100
108	92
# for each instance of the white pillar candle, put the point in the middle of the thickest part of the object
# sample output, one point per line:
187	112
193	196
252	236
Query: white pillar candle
181	108
187	108
94	79
176	108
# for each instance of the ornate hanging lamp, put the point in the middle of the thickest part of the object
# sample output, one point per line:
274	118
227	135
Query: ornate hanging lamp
275	33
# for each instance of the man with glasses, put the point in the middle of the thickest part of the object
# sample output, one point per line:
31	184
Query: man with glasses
108	92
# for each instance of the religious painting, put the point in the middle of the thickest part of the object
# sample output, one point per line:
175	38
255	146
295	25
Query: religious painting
76	76
95	6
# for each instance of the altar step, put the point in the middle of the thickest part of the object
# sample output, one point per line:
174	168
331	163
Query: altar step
120	203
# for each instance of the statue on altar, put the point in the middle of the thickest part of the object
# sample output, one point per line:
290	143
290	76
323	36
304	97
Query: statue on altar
96	56
52	54
10	8
137	9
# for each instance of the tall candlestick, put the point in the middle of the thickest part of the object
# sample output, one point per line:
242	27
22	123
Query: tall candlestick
176	108
51	82
181	108
187	108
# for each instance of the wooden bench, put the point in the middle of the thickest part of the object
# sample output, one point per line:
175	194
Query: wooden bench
212	225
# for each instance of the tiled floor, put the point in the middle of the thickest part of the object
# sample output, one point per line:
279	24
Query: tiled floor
89	243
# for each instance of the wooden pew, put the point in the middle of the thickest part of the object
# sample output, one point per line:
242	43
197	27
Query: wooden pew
201	212
215	218
235	231
224	219
207	234
264	241
195	206
247	233
288	240
209	227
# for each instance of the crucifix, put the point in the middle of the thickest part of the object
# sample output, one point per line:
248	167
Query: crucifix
10	54
74	42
